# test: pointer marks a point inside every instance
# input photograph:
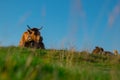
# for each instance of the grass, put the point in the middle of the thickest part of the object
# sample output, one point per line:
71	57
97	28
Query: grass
34	64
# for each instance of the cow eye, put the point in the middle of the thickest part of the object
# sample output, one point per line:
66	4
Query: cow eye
30	32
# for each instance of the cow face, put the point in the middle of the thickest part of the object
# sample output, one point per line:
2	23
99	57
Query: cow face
29	36
35	36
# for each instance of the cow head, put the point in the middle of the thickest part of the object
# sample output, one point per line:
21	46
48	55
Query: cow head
35	35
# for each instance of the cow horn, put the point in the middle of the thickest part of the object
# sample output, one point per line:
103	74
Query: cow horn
40	28
28	26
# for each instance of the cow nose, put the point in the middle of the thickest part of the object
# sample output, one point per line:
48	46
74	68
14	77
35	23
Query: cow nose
29	38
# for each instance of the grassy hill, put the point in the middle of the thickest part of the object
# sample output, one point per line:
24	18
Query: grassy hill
34	64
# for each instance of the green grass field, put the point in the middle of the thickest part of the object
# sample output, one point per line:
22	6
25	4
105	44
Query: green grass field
34	64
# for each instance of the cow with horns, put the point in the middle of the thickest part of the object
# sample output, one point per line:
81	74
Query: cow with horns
32	38
99	50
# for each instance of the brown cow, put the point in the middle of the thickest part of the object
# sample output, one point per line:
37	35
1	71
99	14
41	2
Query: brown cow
97	50
32	38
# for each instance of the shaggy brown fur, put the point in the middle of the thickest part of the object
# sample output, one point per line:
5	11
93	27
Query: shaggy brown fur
26	38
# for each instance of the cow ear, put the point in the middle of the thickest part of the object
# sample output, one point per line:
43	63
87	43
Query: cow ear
29	31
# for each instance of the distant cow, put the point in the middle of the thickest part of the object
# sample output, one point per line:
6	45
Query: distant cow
32	38
99	50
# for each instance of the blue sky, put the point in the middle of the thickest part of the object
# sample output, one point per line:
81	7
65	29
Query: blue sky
82	24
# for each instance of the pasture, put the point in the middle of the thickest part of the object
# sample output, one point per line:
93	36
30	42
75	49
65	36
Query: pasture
35	64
